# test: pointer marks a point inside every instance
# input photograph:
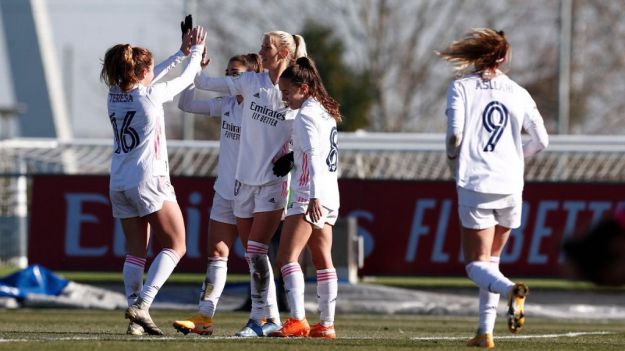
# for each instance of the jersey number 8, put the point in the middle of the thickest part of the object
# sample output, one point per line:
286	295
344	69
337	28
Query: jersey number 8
333	156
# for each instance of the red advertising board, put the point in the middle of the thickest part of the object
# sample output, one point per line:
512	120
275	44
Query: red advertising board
409	227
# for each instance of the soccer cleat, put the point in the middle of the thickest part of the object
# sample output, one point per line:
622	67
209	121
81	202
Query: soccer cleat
482	340
250	330
292	327
320	331
141	316
516	300
134	329
270	326
197	324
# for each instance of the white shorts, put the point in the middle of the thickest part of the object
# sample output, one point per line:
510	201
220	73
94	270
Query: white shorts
482	218
222	210
329	216
146	198
250	199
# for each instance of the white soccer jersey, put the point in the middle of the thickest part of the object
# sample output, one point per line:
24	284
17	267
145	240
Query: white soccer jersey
265	126
315	152
137	117
230	112
489	116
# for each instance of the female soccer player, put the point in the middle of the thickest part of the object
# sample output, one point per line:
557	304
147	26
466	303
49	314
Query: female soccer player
314	204
486	111
222	230
259	195
140	190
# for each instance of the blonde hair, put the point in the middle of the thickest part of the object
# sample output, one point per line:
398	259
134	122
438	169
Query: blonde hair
485	49
123	66
294	43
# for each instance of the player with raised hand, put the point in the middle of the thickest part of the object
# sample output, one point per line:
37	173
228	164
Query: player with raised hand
140	190
313	208
486	113
259	195
222	230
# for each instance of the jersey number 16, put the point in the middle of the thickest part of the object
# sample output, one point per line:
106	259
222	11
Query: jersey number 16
126	138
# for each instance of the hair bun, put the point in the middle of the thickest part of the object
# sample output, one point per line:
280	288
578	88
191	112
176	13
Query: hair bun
303	61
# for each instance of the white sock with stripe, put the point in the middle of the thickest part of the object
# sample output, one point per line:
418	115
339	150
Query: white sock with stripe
159	271
214	283
259	278
488	304
327	291
133	277
294	285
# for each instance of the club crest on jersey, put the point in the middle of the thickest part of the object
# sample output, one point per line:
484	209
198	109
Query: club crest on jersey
257	95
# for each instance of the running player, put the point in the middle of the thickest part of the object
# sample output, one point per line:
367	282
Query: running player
259	195
140	190
486	112
222	230
314	204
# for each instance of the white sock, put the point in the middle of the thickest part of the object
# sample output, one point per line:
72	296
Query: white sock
213	286
272	312
486	277
159	271
488	305
327	291
259	278
294	286
133	277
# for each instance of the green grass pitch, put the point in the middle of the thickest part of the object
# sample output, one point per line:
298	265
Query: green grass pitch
62	329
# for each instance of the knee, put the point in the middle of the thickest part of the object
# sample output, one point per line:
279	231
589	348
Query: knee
180	248
219	250
322	262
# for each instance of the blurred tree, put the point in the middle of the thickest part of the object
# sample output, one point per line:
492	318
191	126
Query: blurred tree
350	88
394	40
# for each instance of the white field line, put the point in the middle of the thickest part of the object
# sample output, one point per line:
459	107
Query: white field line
511	337
166	338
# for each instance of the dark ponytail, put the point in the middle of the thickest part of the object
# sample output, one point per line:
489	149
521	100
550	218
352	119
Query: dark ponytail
304	71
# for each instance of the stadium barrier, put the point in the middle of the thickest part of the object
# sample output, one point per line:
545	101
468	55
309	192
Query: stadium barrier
408	227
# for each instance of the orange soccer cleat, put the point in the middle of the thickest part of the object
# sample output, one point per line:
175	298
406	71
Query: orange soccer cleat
482	340
320	331
293	327
516	302
197	324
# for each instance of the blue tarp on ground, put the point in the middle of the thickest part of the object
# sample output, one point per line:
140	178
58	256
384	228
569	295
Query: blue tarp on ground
32	280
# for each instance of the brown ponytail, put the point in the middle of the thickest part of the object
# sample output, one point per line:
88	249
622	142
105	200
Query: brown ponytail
252	62
123	66
304	71
485	49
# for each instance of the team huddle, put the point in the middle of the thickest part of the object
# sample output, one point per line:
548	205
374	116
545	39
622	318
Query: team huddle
278	163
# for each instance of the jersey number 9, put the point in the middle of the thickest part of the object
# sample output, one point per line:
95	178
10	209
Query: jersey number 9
495	118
